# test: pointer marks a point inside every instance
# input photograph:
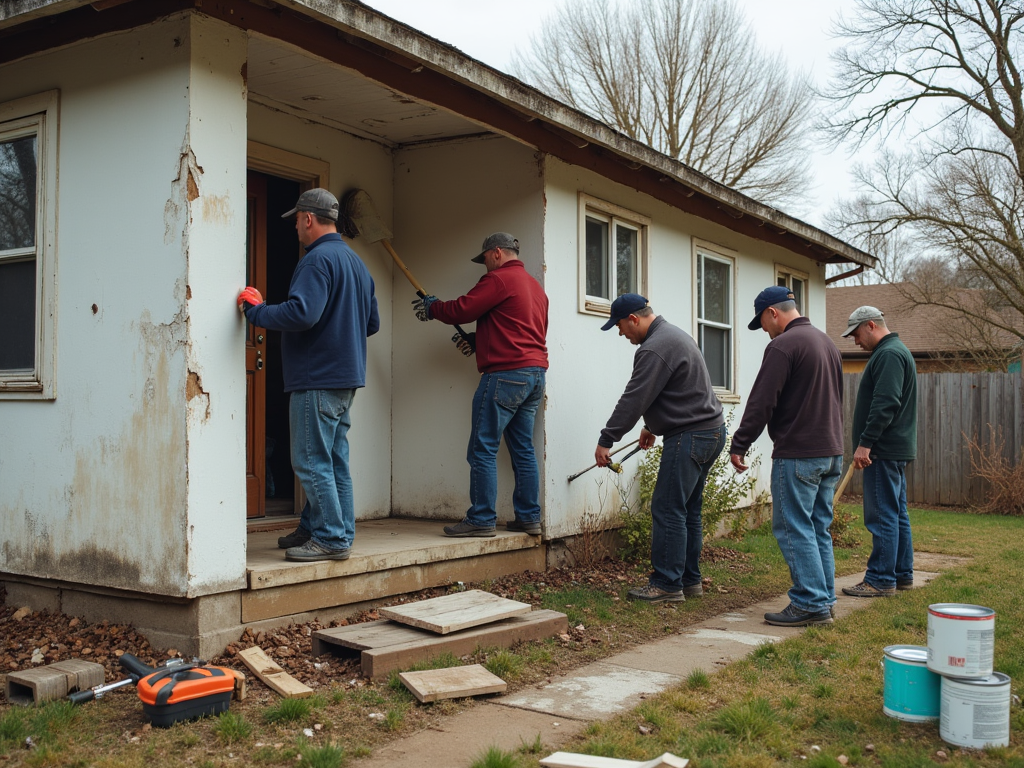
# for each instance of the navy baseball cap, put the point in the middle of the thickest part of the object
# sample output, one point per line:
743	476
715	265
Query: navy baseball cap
623	307
770	296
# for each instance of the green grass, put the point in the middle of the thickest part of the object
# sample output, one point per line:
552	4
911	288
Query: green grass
288	711
824	687
496	758
327	756
232	727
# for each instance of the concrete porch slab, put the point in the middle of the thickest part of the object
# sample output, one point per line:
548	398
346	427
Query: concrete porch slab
380	545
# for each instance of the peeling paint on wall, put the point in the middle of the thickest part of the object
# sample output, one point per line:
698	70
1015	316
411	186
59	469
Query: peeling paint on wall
194	389
185	188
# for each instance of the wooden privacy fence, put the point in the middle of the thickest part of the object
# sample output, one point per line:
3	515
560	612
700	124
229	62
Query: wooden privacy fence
951	408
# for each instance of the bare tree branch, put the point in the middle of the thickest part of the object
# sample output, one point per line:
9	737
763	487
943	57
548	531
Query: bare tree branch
945	74
686	77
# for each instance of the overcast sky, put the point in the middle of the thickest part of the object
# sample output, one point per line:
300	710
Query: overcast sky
490	31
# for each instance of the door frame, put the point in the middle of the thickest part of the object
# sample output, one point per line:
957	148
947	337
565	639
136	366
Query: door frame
310	172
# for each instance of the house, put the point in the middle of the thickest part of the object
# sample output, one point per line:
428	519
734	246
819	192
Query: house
149	147
937	337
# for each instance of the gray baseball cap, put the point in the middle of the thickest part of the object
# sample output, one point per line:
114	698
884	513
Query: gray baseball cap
317	201
861	315
497	240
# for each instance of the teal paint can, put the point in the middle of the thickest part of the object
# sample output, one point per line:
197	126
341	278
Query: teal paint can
912	691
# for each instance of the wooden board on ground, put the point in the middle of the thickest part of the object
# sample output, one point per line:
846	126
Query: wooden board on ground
52	682
386	646
267	670
461	610
574	760
452	683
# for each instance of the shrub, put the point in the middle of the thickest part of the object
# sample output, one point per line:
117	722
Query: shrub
1006	481
724	491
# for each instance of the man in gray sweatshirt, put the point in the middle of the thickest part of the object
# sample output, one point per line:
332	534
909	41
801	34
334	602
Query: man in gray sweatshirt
671	388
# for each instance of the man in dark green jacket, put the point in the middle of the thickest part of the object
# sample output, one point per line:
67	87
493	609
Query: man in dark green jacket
884	439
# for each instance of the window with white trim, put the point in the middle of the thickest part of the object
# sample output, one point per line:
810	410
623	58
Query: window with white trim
28	190
715	321
796	282
613	254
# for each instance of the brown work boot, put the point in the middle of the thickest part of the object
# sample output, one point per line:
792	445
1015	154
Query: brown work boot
867	590
653	594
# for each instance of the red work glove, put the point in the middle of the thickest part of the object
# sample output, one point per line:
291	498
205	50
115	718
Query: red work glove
249	295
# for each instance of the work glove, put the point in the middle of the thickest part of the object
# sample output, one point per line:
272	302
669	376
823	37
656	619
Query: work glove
249	296
421	307
466	345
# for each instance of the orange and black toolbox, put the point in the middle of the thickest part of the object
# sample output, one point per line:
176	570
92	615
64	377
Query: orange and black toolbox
185	692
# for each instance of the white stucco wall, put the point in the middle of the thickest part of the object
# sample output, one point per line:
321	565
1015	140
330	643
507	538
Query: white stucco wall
589	369
354	162
448	198
94	485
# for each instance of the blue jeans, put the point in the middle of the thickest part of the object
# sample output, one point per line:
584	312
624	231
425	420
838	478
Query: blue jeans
319	420
506	403
802	491
676	535
885	517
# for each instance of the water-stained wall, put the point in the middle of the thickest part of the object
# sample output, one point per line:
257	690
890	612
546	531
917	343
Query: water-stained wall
126	478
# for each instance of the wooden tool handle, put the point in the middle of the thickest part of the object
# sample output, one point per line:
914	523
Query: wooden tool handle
405	269
842	485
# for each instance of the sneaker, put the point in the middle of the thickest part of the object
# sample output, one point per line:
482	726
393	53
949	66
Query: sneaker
694	590
867	590
311	550
791	616
653	594
832	611
517	525
466	529
296	538
904	584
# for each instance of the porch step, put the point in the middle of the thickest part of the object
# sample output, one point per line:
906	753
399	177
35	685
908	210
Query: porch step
384	646
390	557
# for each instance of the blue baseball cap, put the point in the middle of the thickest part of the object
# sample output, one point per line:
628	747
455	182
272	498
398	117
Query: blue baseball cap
770	296
623	307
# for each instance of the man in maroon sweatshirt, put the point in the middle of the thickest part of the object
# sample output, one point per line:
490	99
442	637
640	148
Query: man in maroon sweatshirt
511	313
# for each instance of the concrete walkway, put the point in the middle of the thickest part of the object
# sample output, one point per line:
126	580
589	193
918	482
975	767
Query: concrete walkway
565	706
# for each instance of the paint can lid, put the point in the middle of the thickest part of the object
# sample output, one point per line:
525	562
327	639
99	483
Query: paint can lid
996	679
912	653
960	611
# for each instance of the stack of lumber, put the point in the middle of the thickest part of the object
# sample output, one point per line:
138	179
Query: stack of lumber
458	623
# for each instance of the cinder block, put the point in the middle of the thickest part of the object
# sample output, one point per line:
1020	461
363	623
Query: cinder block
52	682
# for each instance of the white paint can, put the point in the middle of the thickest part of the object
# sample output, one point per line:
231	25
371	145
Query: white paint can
961	639
975	713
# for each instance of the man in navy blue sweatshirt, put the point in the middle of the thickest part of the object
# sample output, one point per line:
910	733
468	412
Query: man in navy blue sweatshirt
330	311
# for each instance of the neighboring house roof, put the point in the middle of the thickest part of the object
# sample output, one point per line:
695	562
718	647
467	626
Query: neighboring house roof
483	94
924	329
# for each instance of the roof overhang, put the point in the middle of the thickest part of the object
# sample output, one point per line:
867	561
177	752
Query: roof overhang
410	62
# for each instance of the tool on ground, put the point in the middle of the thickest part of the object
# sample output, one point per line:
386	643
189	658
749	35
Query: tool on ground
620	448
844	483
358	206
136	670
175	691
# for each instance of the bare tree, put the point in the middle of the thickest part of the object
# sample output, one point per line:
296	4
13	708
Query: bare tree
944	77
686	77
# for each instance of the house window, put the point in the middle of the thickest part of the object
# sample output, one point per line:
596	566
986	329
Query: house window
796	282
714	302
28	147
613	254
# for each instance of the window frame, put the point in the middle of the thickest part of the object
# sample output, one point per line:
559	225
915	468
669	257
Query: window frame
38	115
704	249
782	272
601	209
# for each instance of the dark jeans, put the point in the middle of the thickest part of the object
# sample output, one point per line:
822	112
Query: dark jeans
506	404
676	535
885	517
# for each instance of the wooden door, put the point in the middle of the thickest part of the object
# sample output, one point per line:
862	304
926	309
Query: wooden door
255	344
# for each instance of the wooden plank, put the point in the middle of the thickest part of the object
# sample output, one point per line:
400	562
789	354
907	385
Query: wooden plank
267	670
575	760
381	661
461	610
359	637
452	683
